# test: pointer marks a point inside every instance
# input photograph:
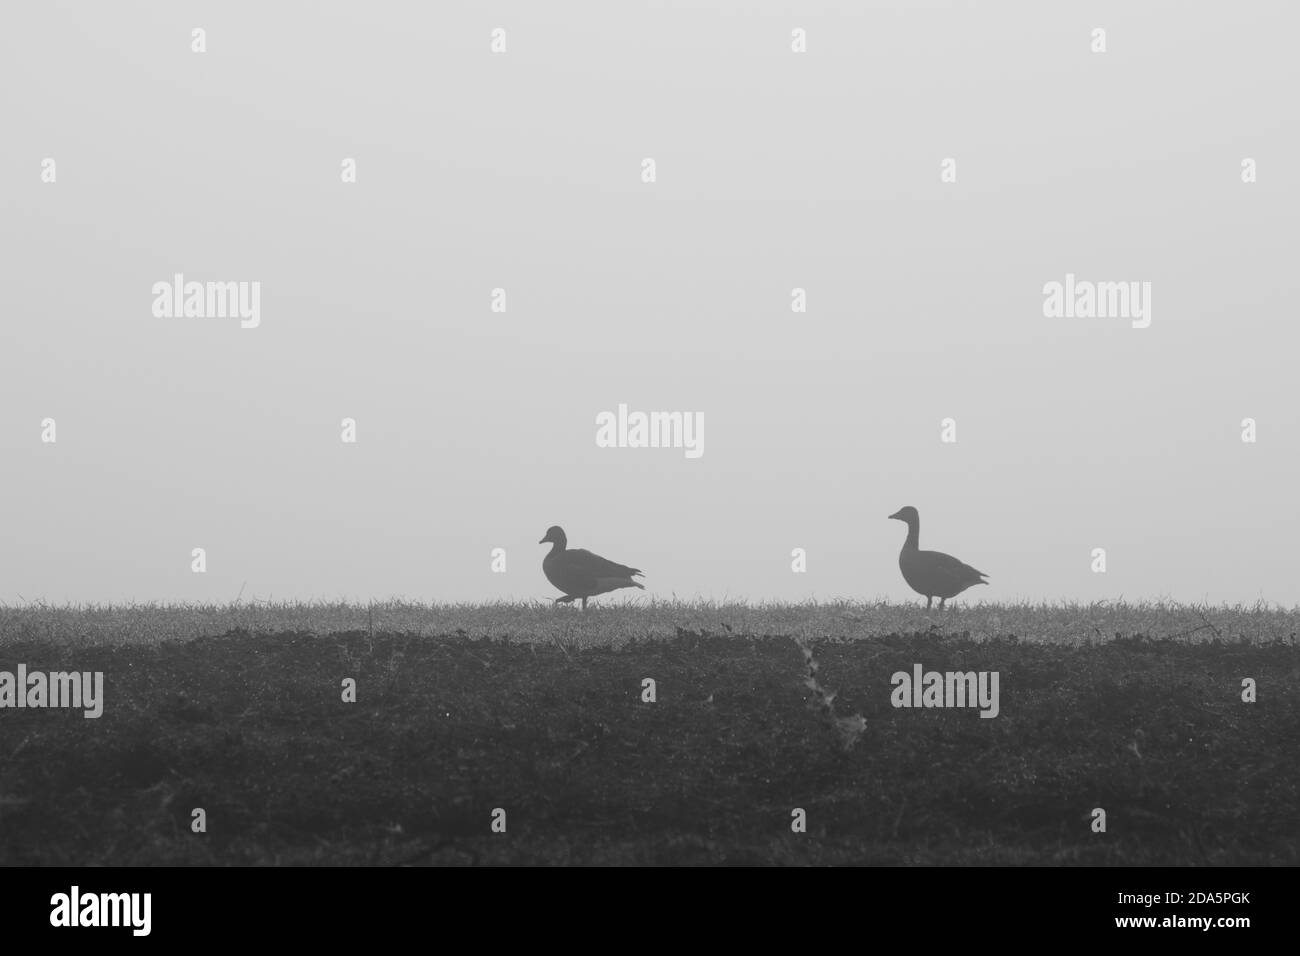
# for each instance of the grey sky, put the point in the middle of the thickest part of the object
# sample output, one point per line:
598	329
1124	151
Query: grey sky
776	170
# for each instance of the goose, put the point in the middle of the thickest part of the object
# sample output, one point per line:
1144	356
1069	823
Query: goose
581	574
931	573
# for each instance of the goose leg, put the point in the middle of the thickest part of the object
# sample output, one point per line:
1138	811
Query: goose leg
941	600
928	601
584	604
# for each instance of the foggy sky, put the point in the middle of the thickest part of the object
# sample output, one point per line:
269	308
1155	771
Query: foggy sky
775	170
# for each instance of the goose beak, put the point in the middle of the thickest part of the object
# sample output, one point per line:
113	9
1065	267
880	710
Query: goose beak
543	541
896	515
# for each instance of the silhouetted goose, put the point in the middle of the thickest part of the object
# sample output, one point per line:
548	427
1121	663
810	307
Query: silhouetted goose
932	573
581	574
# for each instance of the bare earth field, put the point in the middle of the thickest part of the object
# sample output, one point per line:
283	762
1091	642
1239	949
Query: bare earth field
539	711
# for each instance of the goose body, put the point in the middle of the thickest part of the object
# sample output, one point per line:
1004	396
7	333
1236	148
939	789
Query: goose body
931	574
579	573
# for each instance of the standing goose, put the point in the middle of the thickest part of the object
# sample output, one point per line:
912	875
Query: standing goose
931	573
581	574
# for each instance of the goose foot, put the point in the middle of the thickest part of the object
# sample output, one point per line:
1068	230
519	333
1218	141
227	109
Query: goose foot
567	599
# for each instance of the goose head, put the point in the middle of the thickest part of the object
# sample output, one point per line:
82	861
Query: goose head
555	535
907	514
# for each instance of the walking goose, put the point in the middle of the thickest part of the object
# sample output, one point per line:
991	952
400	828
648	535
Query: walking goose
931	573
581	574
